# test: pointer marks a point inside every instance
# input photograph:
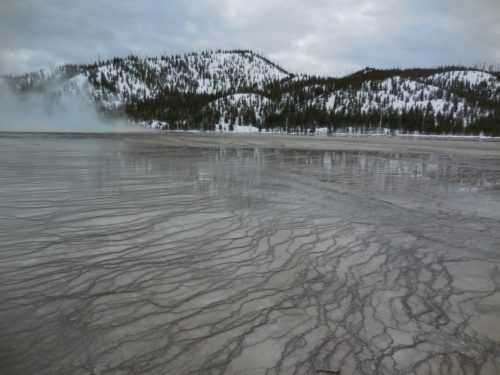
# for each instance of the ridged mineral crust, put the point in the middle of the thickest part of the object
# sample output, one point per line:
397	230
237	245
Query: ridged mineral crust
123	258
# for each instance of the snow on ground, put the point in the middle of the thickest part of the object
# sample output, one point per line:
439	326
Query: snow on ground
468	79
203	73
395	93
471	77
238	108
225	128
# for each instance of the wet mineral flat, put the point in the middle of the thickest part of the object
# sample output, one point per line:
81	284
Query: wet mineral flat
122	256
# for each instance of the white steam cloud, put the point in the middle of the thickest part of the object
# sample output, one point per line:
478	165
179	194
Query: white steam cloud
48	112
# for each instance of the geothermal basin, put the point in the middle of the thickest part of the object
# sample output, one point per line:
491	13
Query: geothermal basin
220	254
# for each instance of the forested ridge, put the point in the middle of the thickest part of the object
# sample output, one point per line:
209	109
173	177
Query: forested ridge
224	90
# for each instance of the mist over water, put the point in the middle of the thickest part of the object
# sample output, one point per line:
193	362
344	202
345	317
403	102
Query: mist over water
48	112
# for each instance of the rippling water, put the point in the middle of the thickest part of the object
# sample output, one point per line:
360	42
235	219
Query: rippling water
126	258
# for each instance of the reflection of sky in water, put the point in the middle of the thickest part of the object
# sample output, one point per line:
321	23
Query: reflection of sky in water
113	165
373	174
386	171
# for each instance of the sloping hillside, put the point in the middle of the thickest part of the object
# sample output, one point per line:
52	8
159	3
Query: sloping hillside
121	81
208	90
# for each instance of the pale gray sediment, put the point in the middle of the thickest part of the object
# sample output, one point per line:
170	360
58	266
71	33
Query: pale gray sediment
129	254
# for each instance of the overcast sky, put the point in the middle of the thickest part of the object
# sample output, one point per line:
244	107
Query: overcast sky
329	37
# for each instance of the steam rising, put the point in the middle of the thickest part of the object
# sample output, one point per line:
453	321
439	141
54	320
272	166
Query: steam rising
46	112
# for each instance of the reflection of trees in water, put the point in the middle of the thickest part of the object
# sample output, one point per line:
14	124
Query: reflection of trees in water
206	170
389	171
210	170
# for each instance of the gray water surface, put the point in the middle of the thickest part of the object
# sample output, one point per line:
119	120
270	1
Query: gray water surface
128	258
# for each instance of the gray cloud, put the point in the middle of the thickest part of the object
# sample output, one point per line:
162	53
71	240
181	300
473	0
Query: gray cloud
314	36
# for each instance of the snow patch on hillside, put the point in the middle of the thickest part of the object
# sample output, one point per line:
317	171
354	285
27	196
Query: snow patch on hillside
487	83
398	94
121	80
240	110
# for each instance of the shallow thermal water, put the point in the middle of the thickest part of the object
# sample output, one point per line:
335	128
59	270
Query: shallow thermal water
124	258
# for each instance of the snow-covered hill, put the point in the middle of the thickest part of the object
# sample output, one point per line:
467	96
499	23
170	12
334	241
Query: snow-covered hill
119	81
398	94
240	110
231	89
471	80
46	78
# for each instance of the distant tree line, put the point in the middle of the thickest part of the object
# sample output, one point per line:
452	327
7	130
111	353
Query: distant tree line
167	89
